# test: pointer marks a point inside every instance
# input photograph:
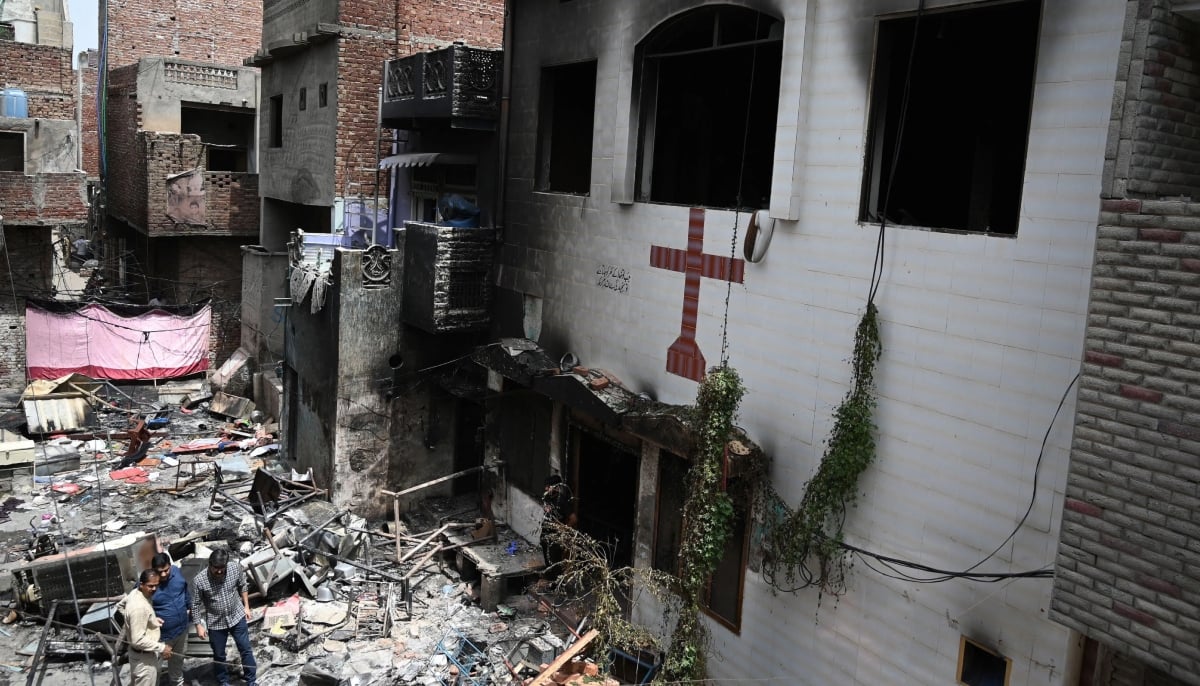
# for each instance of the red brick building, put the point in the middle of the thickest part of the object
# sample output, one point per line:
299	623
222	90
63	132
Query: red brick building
43	195
180	167
320	147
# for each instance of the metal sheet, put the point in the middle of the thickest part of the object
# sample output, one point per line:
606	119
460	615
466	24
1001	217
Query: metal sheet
45	416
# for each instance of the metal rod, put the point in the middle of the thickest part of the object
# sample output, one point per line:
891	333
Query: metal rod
37	655
352	563
435	482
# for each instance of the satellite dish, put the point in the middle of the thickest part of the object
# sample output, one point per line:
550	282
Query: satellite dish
758	236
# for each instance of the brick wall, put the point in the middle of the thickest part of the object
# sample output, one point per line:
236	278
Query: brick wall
1125	574
89	135
230	199
126	158
204	30
1127	560
422	26
1153	144
212	268
29	251
44	73
43	199
479	23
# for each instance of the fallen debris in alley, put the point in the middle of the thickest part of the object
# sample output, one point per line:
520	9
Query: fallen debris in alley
442	595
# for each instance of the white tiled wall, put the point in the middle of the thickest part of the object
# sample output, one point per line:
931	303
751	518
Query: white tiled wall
981	335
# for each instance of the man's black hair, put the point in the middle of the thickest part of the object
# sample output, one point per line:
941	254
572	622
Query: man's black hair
160	560
147	575
219	558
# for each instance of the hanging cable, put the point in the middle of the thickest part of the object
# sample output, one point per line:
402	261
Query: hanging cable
737	204
877	266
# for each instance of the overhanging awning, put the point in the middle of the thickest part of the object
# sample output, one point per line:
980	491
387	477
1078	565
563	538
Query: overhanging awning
608	401
424	159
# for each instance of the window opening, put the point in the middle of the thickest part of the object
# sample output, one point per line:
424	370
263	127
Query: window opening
229	135
566	114
427	184
708	103
303	104
962	144
275	129
12	151
978	666
323	95
723	594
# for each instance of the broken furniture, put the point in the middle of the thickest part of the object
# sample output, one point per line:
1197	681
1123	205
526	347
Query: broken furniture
495	563
104	570
465	661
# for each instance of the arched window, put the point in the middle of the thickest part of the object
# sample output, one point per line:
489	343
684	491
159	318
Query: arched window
708	92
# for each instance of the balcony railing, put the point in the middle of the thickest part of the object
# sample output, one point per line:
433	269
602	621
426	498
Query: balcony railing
458	83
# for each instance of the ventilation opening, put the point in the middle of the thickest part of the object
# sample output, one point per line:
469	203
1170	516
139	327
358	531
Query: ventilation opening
978	666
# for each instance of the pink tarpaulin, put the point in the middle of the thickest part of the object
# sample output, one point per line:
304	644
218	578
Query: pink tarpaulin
98	343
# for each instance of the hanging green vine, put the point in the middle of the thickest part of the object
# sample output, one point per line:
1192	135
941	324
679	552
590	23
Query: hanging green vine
708	516
802	547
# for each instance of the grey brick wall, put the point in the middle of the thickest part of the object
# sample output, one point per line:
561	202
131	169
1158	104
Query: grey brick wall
1128	568
1154	135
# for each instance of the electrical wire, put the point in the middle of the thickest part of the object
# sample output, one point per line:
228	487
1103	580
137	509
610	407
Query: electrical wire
880	242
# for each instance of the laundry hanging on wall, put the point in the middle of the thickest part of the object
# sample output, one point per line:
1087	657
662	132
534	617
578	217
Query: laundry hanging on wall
119	342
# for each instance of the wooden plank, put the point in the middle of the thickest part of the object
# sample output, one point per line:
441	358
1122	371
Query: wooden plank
413	551
561	660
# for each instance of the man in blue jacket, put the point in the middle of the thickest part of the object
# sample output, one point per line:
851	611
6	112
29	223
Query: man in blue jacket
172	603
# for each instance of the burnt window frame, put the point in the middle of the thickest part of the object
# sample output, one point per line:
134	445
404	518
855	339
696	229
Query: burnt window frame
899	37
755	128
19	138
302	103
561	86
323	95
666	558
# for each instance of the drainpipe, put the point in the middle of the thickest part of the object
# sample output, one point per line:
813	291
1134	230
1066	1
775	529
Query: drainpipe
505	92
81	64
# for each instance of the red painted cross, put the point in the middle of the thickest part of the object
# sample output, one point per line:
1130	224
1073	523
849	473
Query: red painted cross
684	357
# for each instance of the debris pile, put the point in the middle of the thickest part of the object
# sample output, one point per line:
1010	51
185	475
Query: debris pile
117	474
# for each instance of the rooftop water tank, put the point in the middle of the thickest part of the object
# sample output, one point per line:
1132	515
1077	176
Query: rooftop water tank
14	103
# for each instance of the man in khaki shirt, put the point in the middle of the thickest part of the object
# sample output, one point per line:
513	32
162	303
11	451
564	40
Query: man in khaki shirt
142	632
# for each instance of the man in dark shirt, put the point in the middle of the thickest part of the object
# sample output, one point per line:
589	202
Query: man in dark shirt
219	614
172	604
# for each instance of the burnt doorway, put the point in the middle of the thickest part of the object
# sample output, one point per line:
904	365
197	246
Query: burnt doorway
468	444
604	477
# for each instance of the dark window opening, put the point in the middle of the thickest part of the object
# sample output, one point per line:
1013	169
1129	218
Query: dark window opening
12	151
229	134
978	666
723	594
566	113
709	98
323	95
963	139
275	128
303	99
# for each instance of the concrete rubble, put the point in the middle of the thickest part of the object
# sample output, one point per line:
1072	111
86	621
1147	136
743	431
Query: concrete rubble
441	597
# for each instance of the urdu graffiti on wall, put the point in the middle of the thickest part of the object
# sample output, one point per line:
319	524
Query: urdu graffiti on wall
185	198
613	278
